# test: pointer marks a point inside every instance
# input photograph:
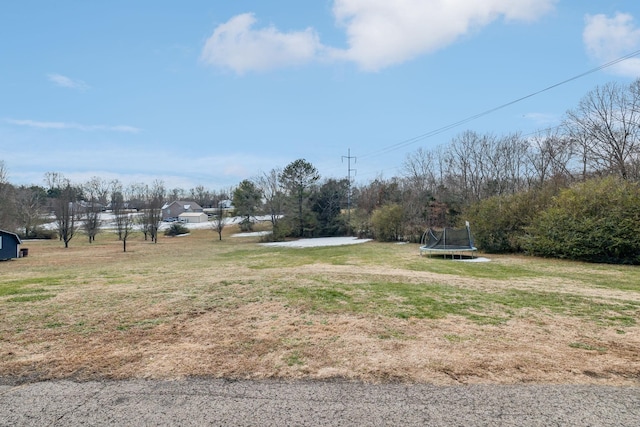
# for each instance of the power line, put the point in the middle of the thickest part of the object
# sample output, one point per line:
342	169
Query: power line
442	129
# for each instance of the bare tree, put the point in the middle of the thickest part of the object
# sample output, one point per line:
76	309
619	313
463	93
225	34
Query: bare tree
514	149
418	189
219	221
67	210
550	155
462	157
30	203
415	207
137	195
91	222
7	207
153	214
200	195
3	172
607	122
419	169
582	145
177	194
269	185
123	217
96	191
377	193
481	166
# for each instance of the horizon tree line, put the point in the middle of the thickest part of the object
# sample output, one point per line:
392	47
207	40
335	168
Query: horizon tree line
436	187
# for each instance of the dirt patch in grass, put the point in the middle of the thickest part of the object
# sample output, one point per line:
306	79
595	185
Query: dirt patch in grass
195	306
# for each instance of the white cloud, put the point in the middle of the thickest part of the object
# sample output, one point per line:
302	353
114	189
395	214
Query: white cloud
65	81
607	39
542	119
75	126
236	45
380	33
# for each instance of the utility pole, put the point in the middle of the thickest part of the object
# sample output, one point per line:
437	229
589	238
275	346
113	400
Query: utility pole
349	170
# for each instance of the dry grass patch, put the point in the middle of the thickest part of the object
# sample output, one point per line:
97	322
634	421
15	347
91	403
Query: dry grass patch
376	312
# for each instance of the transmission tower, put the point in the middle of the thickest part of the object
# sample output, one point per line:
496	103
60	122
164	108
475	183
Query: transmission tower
349	170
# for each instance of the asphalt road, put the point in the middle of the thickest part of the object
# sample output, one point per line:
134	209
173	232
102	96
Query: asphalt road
313	403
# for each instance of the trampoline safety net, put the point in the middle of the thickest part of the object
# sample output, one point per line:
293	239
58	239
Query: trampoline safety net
447	240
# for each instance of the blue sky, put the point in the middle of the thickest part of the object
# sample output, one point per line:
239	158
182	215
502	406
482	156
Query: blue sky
213	92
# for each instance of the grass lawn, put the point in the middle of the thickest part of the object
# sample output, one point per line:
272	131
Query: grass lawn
197	306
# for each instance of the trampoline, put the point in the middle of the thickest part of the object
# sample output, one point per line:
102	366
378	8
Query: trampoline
448	241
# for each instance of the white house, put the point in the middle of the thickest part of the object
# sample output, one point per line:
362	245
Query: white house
193	217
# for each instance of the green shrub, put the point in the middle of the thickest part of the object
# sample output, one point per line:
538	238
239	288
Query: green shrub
279	233
176	229
595	221
387	222
498	224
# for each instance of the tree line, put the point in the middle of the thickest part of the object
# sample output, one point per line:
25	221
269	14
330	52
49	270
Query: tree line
569	192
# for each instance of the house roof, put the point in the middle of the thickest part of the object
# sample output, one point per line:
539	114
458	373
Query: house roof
14	235
185	204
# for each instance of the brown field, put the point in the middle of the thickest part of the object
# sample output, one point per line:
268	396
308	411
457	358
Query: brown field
195	306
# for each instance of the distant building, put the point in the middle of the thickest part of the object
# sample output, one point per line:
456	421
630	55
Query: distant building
9	245
193	217
174	209
225	204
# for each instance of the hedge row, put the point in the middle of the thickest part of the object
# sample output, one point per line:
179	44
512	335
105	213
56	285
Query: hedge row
595	221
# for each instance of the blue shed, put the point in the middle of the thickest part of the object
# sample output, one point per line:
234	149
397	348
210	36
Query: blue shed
9	245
